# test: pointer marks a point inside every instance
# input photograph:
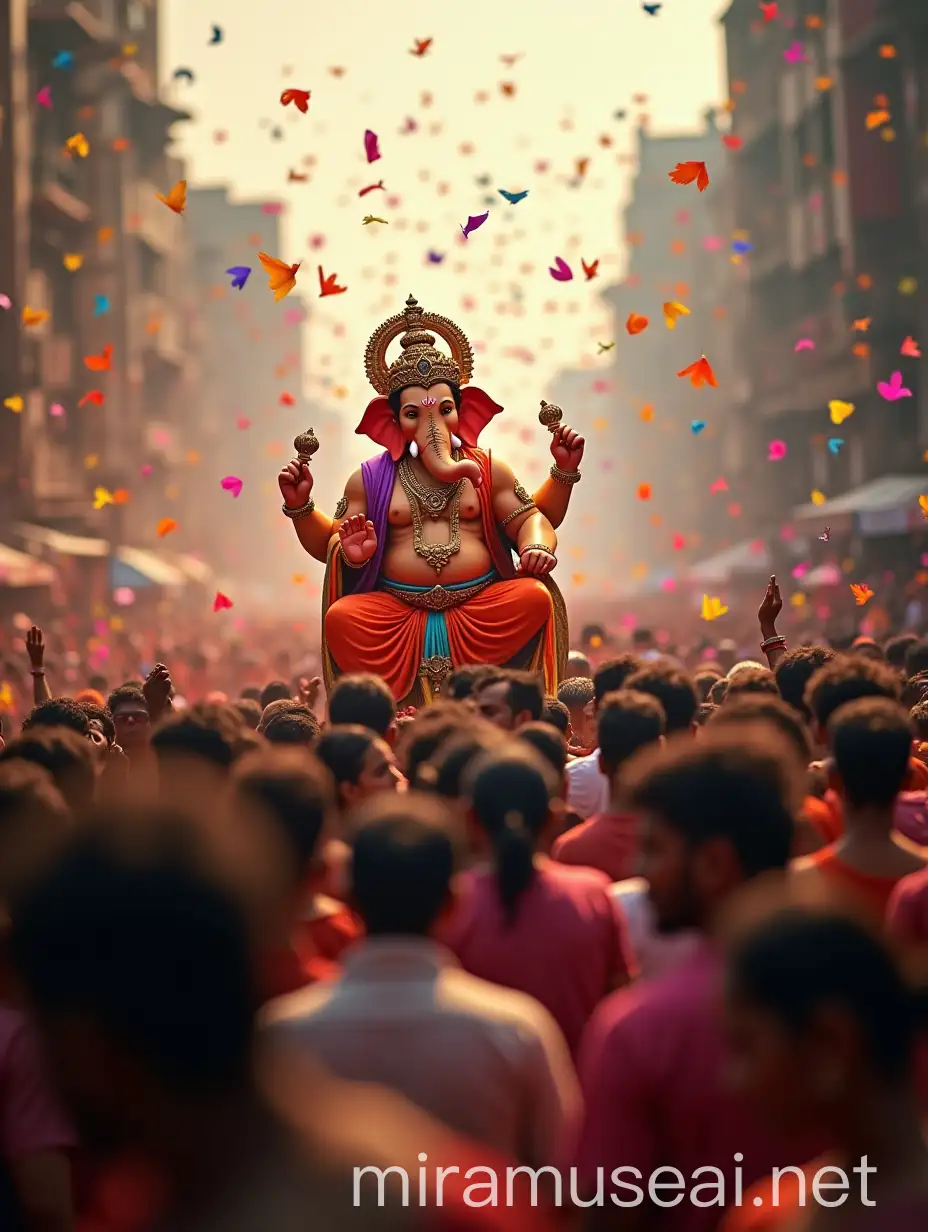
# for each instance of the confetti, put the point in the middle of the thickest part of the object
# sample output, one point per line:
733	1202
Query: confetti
328	284
473	222
910	349
697	426
34	316
817	497
176	199
893	389
101	497
839	411
101	362
281	277
673	310
804	344
700	373
14	403
93	397
835	443
861	592
712	608
232	483
165	527
644	491
420	47
240	275
299	98
78	144
825	536
776	451
221	602
513	197
371	146
636	324
690	172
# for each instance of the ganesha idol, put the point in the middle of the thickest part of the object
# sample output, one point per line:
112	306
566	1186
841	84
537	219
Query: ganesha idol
436	555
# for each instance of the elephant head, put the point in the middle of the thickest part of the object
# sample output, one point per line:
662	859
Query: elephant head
430	423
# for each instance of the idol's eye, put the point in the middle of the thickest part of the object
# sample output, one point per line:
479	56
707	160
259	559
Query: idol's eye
447	408
411	414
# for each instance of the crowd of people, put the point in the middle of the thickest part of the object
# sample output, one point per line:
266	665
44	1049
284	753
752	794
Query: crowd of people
648	954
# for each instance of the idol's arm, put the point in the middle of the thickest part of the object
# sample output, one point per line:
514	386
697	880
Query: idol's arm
352	504
516	514
553	497
314	533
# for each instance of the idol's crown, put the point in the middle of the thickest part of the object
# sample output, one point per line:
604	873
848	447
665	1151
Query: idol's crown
421	363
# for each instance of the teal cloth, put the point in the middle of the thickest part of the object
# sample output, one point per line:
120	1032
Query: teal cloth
436	631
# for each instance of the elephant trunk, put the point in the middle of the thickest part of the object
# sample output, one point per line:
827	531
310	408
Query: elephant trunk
435	456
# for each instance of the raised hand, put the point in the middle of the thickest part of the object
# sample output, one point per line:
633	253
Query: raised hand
296	483
567	448
359	539
770	608
35	647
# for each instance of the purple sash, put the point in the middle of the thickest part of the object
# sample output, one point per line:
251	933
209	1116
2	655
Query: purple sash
378	474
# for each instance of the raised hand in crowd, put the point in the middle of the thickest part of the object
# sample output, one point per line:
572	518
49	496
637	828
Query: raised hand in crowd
158	690
35	648
773	644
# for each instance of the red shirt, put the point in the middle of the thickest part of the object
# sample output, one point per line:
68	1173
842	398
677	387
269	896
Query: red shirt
607	841
567	946
327	936
651	1067
870	891
907	910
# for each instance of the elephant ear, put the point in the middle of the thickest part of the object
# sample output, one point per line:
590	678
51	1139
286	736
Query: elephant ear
475	412
379	423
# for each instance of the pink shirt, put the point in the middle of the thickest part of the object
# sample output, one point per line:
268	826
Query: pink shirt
607	841
567	946
651	1067
30	1119
907	911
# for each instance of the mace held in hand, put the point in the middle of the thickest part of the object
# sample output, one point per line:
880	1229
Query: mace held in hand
306	445
550	416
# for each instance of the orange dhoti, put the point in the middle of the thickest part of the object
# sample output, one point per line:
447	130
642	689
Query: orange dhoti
510	622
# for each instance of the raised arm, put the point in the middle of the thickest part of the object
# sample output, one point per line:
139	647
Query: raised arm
35	648
522	522
553	497
313	527
773	644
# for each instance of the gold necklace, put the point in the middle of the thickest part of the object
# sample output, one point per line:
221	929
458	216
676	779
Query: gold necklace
433	500
435	554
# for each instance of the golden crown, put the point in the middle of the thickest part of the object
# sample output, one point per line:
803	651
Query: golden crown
420	362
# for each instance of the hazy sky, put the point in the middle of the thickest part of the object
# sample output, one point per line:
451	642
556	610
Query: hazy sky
581	60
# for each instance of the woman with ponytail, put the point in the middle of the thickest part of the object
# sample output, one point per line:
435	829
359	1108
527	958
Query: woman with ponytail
822	1031
526	922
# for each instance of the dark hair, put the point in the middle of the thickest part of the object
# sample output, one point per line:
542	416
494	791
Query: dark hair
871	740
153	952
125	693
463	680
673	688
751	680
295	791
547	743
250	711
915	690
704	679
99	683
643	637
251	693
510	794
796	669
444	772
211	731
612	674
578	658
28	791
704	712
627	721
897	647
916	658
719	691
868	648
758	707
576	691
524	690
403	859
395	399
67	757
58	712
296	726
104	718
364	699
736	786
283	705
845	679
343	749
431	728
556	714
918	716
801	960
275	691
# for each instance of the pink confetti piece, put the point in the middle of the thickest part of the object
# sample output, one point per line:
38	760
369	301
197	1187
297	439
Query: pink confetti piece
804	344
232	484
893	389
776	451
44	97
718	486
56	410
221	602
5	301
272	207
146	470
242	423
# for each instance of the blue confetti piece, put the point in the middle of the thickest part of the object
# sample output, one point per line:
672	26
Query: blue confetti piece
741	247
835	443
697	426
101	305
64	59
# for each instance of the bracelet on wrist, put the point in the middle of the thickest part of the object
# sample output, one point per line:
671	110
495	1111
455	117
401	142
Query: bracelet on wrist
37	671
537	547
303	511
776	641
350	563
562	476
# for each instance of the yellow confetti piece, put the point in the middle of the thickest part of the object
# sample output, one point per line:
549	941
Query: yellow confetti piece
923	504
34	316
14	403
105	234
101	497
91	461
673	310
818	498
78	144
712	607
647	413
839	411
578	579
72	261
908	286
797	599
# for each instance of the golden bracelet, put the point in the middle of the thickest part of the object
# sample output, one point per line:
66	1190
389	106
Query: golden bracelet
303	512
350	563
561	476
516	513
537	547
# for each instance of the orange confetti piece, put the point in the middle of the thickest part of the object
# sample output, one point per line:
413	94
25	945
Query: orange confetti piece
165	526
636	324
690	172
102	362
176	199
700	373
861	592
644	491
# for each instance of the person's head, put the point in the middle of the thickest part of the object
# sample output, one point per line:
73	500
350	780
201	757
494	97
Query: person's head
99	684
557	715
916	658
627	722
715	813
101	721
252	693
578	665
643	641
612	674
871	740
129	709
462	681
289	795
673	688
818	1016
275	691
704	679
718	691
915	690
91	696
58	712
766	710
548	743
918	717
250	710
404	854
578	695
430	729
795	670
364	700
845	679
509	698
137	970
296	725
704	712
444	772
34	818
727	654
868	648
196	749
69	759
361	763
751	680
896	649
510	796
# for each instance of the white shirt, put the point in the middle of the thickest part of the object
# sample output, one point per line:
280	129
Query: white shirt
489	1062
587	786
656	952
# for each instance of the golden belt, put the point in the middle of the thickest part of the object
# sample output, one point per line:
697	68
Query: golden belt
439	598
